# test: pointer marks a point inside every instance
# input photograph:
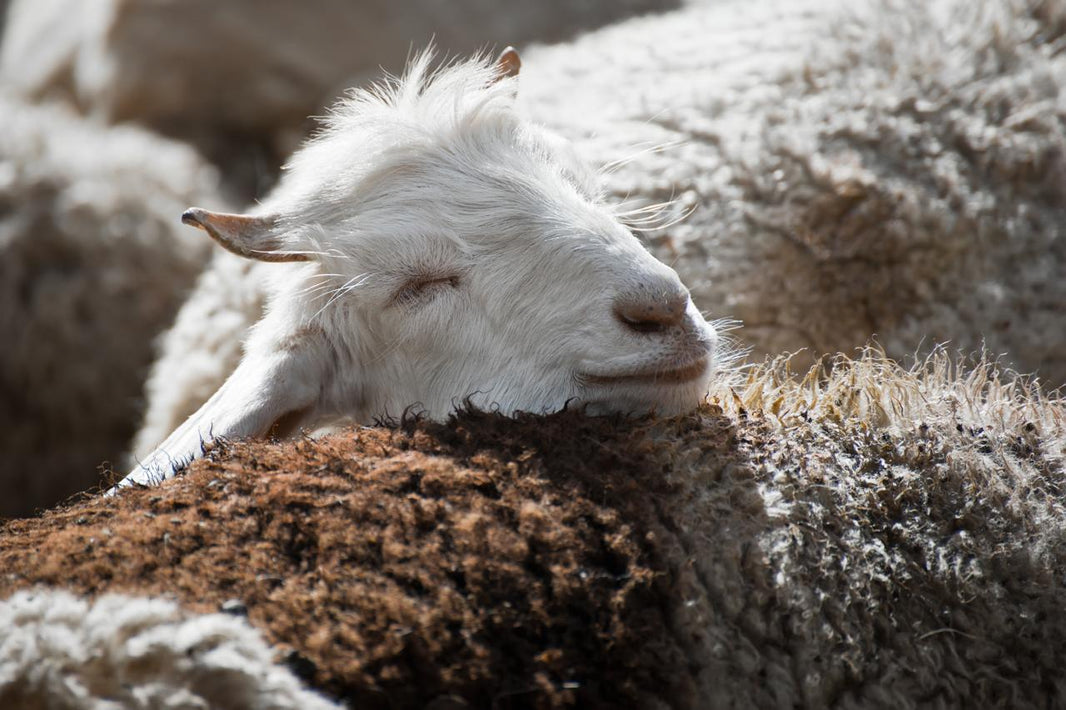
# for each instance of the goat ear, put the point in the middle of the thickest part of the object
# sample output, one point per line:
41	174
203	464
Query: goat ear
270	391
250	237
508	64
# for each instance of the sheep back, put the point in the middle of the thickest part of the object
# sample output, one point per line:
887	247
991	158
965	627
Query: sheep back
863	536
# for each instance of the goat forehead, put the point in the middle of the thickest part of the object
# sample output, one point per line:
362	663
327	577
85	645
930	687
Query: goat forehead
501	161
482	190
504	230
472	210
526	246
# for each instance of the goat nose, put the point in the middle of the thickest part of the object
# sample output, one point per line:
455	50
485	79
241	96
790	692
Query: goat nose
650	312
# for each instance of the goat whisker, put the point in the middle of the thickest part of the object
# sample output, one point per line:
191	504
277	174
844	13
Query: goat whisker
352	283
614	165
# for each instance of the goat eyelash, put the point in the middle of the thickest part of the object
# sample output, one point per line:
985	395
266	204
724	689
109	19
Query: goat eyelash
417	289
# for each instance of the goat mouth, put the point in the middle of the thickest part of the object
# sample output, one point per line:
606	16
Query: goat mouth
658	375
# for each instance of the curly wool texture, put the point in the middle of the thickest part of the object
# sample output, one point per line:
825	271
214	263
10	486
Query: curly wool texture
63	653
895	169
914	519
92	267
865	536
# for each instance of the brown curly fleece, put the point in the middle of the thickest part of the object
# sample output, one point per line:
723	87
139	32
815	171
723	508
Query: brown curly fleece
508	563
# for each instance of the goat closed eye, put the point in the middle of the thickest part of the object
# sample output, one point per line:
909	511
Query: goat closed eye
424	288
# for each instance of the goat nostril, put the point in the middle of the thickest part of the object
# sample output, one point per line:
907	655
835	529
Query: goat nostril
651	315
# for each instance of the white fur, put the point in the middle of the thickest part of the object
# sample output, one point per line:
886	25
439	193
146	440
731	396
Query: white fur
457	253
61	651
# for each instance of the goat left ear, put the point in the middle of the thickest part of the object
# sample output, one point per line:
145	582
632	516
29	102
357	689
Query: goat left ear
250	237
276	384
508	64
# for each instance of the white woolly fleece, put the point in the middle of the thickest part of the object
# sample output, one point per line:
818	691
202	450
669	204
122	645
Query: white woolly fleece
61	652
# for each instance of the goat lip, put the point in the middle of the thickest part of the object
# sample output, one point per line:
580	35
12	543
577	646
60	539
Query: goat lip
674	374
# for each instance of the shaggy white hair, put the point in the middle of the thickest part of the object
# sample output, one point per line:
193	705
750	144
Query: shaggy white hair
449	251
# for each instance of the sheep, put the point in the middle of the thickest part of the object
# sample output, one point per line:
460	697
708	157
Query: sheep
820	217
61	651
239	80
92	267
862	535
430	248
889	169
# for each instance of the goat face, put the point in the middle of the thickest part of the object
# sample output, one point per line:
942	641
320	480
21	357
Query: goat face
452	253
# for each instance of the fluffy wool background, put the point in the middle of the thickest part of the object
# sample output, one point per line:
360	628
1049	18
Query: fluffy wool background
93	265
892	168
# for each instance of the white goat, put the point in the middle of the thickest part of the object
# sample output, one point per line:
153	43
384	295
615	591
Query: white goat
447	251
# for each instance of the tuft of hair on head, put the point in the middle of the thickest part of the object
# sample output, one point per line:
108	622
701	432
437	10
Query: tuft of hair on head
427	87
423	90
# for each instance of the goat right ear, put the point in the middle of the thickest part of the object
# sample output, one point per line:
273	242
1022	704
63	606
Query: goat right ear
250	237
508	64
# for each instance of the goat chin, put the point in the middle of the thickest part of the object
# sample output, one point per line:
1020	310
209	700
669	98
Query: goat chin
218	419
261	395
